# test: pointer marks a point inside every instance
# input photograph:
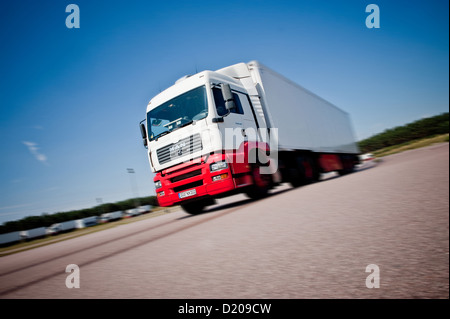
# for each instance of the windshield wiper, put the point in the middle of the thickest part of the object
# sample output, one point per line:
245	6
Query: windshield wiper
183	125
174	129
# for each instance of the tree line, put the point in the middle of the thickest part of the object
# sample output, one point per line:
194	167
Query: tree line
423	128
46	219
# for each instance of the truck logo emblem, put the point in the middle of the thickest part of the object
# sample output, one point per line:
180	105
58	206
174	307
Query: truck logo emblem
177	149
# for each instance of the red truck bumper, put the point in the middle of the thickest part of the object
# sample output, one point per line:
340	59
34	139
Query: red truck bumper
194	179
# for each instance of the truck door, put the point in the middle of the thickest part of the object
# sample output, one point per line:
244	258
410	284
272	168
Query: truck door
239	125
250	125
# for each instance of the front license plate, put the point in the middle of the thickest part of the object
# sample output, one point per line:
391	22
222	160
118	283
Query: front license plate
188	193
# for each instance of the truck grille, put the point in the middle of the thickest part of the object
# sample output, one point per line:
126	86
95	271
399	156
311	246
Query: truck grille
188	186
187	175
188	145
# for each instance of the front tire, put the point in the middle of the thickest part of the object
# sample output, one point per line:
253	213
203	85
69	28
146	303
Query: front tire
261	183
194	208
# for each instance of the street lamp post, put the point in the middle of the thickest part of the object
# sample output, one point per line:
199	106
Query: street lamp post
133	184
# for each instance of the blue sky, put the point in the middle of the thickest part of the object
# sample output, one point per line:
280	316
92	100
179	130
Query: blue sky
71	99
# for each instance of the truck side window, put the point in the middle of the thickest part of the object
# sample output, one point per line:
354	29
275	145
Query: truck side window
220	103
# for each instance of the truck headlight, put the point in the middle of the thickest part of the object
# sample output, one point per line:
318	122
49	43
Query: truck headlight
218	166
158	184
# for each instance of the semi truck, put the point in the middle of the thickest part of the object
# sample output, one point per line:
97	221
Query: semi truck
241	129
110	217
61	227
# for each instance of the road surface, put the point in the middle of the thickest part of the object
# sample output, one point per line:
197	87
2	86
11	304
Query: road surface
311	242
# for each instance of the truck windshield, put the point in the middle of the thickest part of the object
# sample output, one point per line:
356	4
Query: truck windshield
177	112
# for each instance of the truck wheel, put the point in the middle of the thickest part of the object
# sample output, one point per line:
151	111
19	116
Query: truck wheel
261	183
194	208
304	172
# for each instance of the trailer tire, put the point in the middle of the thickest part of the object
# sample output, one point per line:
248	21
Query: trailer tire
316	171
346	171
349	165
295	177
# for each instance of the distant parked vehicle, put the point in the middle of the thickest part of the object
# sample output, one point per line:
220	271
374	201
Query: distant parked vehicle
86	222
33	233
145	209
131	213
62	227
9	238
138	211
109	217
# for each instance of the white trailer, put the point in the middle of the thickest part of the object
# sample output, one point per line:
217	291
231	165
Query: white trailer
131	213
10	238
144	209
109	217
86	222
304	120
116	215
33	233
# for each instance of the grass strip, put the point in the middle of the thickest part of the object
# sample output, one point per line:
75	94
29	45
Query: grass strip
411	145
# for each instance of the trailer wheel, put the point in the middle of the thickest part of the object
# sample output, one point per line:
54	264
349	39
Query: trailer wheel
316	171
349	165
346	171
261	183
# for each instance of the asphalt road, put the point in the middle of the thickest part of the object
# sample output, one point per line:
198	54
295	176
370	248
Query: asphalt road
310	242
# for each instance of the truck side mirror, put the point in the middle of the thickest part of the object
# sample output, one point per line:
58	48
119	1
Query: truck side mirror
144	134
228	97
